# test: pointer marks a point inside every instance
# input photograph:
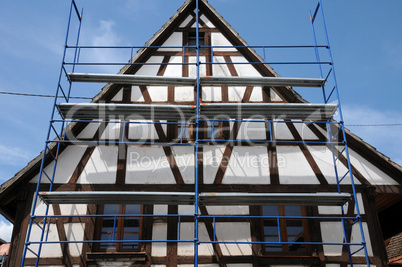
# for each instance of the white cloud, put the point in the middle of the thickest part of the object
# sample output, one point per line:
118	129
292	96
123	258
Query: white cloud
12	156
6	230
104	34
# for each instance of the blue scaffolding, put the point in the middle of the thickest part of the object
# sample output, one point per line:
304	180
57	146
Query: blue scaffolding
324	114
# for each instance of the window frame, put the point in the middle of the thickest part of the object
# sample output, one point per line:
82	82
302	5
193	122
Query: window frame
119	232
184	125
192	41
215	129
285	248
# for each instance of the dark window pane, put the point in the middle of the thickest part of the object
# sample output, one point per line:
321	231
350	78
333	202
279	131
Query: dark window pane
131	225
107	245
133	209
272	247
111	209
294	228
213	129
108	230
192	40
270	227
130	245
131	222
295	238
183	131
293	211
297	247
270	211
108	222
270	230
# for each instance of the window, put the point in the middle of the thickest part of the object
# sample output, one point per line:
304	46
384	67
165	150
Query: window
119	228
290	229
184	131
214	129
192	40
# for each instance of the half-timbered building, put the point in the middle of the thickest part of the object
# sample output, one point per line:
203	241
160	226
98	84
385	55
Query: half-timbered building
194	154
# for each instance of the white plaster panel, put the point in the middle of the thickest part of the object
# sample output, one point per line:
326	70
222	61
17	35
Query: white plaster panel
144	131
184	94
136	94
275	97
360	202
332	232
67	162
332	210
73	209
211	93
201	265
118	96
247	165
49	250
75	232
220	69
228	210
212	156
207	21
240	265
281	131
150	69
295	168
175	39
236	93
372	174
41	208
239	232
186	21
192	69
186	210
89	131
256	94
148	165
332	265
357	238
184	156
324	159
161	209
101	167
174	70
305	132
217	39
244	69
187	233
159	232
252	131
158	93
112	132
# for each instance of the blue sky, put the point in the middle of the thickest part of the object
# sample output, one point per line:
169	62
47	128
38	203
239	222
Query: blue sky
365	36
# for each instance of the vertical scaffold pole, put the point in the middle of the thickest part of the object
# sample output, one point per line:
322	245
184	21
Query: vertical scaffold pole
197	122
47	150
363	242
